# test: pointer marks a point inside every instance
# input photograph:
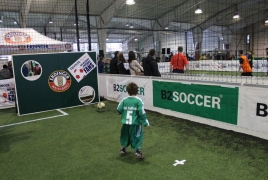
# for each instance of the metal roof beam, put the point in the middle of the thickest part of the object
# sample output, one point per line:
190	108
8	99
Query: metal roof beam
110	12
25	7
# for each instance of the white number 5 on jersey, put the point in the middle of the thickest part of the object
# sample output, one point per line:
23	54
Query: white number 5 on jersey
129	117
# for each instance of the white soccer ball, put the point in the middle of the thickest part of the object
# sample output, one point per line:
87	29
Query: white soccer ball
99	106
102	104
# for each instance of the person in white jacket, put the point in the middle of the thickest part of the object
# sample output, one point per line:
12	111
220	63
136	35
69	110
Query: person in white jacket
134	66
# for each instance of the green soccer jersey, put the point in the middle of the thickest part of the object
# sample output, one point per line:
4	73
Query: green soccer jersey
132	111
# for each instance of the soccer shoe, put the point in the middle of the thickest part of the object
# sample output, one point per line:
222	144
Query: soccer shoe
139	154
122	151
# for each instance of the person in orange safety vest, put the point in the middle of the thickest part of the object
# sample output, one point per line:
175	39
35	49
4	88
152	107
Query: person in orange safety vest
244	65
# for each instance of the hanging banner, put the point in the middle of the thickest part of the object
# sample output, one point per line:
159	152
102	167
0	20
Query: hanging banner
253	109
116	88
208	101
7	93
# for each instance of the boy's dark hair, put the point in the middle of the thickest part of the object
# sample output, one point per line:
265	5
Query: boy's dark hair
180	48
132	89
4	66
240	51
152	52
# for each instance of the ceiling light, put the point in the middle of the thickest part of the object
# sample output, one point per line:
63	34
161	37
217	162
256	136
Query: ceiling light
15	22
75	24
266	21
166	27
136	39
1	19
127	24
131	26
107	39
130	2
50	21
198	10
236	16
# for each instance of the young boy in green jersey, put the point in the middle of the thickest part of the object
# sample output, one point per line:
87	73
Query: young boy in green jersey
133	116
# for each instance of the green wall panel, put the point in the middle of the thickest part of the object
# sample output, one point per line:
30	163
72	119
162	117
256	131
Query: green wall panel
36	95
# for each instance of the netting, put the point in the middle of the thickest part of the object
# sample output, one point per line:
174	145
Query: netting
211	39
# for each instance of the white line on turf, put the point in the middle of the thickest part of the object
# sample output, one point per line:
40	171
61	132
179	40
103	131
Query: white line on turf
62	114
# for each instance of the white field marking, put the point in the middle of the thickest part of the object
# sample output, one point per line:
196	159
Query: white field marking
62	114
179	162
61	111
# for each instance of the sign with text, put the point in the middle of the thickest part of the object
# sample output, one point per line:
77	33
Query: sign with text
116	88
7	93
82	67
208	101
253	109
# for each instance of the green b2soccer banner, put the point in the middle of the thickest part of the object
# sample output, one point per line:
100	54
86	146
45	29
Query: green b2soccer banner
51	81
208	101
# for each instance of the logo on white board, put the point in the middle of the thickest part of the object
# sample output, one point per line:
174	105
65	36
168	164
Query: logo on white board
82	67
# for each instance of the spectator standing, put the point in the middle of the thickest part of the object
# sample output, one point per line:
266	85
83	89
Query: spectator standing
106	66
134	66
191	58
120	64
5	72
100	64
9	66
228	56
150	65
113	64
233	57
250	59
244	65
178	62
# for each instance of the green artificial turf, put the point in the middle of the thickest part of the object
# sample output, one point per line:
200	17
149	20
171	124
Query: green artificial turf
85	145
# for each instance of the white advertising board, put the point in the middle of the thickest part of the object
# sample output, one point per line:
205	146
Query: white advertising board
116	88
7	93
253	109
224	65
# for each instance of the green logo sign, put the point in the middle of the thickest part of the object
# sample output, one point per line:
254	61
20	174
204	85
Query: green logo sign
212	102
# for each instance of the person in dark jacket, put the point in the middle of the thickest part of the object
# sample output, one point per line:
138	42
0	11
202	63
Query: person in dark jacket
150	66
120	64
113	64
100	64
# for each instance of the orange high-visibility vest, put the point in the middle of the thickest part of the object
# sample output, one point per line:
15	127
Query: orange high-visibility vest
245	65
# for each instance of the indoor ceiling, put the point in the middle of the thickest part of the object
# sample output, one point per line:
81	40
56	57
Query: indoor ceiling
146	16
